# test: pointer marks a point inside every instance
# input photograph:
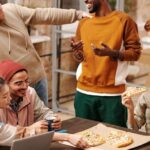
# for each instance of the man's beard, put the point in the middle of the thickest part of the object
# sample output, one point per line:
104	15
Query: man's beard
94	9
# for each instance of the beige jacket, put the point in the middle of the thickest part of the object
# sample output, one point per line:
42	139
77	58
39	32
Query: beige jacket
14	38
142	111
31	110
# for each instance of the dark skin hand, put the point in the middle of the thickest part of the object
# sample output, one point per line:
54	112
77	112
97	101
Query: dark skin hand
77	48
105	51
76	45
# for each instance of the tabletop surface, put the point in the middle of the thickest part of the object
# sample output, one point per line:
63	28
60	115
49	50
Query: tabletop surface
76	125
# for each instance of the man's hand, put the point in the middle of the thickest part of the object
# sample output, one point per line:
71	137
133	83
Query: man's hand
106	51
76	45
77	48
147	26
57	122
37	128
86	15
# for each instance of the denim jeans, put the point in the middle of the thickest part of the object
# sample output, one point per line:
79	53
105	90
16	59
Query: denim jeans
41	88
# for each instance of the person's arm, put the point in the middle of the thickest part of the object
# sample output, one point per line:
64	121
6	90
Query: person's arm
127	102
42	112
140	110
132	45
76	140
131	41
54	16
36	128
77	46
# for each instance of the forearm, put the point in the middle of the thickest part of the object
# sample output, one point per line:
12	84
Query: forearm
131	120
61	137
54	16
130	55
22	132
132	45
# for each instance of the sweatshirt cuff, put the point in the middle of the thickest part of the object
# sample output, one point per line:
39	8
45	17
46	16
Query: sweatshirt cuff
79	14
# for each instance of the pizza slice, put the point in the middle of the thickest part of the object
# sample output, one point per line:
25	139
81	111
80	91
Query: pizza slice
133	91
92	138
119	139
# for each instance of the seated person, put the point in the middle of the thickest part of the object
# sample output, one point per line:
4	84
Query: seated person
140	115
26	107
8	132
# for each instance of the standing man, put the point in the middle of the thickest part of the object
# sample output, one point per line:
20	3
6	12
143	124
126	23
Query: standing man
15	42
104	45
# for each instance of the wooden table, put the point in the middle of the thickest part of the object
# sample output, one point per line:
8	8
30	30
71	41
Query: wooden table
76	125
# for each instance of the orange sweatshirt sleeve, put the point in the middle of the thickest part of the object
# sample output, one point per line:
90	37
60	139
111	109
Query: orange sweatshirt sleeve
131	41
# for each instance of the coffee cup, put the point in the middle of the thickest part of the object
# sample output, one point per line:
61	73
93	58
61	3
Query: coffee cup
50	120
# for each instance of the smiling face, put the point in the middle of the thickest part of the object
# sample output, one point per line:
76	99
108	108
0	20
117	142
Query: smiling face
4	94
93	5
18	84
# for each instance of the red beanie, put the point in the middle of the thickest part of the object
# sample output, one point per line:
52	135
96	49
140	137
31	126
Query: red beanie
8	68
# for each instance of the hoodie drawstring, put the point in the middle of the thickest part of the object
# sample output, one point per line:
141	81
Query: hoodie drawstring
9	40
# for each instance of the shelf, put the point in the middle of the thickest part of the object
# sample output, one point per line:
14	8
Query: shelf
39	38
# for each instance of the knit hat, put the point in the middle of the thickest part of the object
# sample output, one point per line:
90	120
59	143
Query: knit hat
8	68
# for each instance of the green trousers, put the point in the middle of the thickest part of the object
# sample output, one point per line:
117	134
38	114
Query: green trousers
106	109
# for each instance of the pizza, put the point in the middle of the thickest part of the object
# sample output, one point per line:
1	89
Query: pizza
119	139
133	91
92	138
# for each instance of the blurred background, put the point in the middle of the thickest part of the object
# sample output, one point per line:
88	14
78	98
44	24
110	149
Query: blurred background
53	45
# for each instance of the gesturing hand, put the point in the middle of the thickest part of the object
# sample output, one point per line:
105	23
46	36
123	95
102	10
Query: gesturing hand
106	51
76	45
77	50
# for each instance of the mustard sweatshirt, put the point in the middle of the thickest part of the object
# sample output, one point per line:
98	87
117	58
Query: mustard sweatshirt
101	74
